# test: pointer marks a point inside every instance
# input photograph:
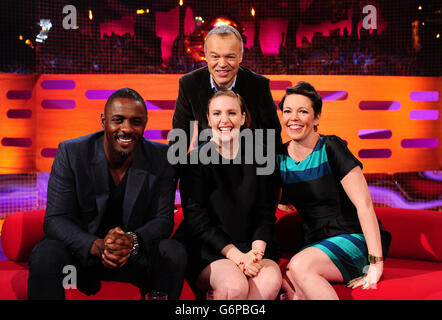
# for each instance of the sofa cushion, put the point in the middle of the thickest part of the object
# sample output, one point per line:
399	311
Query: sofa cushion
402	280
13	280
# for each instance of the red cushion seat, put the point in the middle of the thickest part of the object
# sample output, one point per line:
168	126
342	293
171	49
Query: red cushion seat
413	269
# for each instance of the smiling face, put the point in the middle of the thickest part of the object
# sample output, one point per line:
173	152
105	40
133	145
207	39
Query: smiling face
225	118
124	121
298	117
223	55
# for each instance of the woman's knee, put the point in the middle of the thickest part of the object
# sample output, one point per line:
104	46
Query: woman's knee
233	289
226	280
269	280
298	268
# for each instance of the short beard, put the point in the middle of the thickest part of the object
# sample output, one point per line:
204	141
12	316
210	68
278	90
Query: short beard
123	154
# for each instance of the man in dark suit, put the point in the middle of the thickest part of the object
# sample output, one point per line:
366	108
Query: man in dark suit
224	52
110	210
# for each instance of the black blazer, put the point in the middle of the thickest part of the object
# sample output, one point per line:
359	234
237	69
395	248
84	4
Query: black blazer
78	191
195	92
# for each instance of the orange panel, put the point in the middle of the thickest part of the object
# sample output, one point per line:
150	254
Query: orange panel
49	126
17	95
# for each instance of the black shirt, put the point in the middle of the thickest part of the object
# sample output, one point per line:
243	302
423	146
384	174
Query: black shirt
114	209
223	204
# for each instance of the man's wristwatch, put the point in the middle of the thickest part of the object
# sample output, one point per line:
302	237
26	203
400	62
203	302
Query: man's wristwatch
135	245
372	259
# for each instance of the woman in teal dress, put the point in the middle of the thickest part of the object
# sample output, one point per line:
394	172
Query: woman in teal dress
321	178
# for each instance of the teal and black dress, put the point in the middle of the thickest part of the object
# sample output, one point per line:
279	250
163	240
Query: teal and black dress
331	223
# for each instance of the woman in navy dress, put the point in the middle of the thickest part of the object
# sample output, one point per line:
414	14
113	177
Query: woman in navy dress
323	180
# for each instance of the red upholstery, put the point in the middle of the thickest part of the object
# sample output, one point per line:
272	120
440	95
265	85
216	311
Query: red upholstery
412	271
402	279
13	280
416	234
20	233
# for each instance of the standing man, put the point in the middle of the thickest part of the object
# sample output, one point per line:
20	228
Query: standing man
224	52
110	210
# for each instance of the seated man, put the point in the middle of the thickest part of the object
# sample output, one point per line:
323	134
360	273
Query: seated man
110	210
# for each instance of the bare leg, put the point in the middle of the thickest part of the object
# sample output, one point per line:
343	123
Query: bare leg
292	290
311	270
266	285
226	280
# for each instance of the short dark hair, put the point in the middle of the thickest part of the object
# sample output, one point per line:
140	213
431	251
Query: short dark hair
127	93
306	89
241	102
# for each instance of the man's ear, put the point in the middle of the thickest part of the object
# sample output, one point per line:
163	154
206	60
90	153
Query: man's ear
102	120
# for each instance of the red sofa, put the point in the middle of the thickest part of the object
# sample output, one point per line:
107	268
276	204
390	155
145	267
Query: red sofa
413	269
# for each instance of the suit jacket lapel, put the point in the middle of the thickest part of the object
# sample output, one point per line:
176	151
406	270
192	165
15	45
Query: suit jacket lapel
205	92
100	175
136	176
241	84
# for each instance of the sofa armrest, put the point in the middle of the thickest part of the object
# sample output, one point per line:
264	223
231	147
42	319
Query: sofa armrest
416	234
20	233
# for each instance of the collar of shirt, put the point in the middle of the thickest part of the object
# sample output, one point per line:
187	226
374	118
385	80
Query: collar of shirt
215	87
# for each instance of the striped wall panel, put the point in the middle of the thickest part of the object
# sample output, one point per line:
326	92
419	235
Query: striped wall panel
391	123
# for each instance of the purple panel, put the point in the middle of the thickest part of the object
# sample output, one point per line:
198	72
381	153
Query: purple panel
48	152
160	104
19	113
279	85
17	142
2	254
433	175
58	104
99	94
58	84
424	114
150	106
420	143
380	105
424	95
374	134
19	94
156	134
396	200
374	153
333	95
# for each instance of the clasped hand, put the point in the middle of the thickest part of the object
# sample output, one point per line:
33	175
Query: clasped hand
114	249
251	263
